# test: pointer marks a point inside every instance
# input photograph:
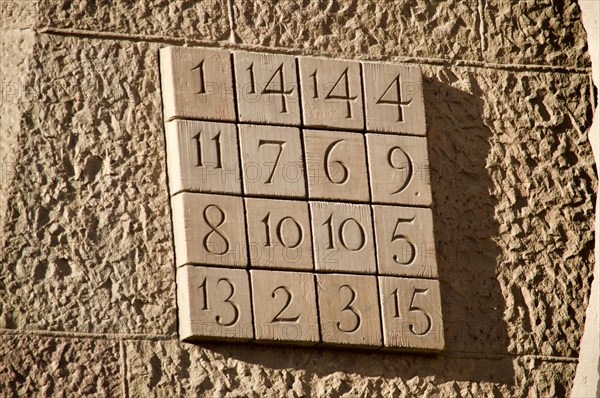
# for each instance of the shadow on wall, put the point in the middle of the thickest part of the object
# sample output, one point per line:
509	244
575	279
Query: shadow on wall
472	303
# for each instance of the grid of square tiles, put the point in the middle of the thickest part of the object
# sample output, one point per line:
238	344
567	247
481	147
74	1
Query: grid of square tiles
300	210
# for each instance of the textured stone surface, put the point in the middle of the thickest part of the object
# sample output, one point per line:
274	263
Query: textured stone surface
587	379
87	236
42	366
349	28
513	182
86	240
16	48
17	14
534	32
167	369
205	20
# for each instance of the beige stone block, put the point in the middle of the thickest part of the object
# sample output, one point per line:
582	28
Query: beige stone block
336	165
267	88
404	240
272	162
209	229
399	169
412	313
285	307
279	234
349	310
214	304
331	93
202	157
343	237
196	83
394	98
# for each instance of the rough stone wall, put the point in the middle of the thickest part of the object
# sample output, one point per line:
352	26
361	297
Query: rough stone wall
87	283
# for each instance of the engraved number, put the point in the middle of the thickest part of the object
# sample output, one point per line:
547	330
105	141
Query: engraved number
353	310
315	88
346	93
217	140
205	307
204	294
329	165
288	301
236	310
252	82
398	236
405	165
413	308
345	89
200	68
279	231
280	144
213	248
396	99
275	85
342	234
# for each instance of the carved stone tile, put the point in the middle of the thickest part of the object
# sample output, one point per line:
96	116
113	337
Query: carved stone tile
336	165
209	229
267	88
349	310
214	304
394	98
331	93
399	169
279	234
343	237
272	162
203	157
285	307
412	313
404	240
197	83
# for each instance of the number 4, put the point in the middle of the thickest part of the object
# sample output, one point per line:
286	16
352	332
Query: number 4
396	97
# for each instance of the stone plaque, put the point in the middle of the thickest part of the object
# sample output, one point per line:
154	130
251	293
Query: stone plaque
300	200
209	229
411	313
272	161
331	93
285	307
336	165
267	88
196	83
343	237
404	240
203	157
399	169
394	98
349	310
279	234
214	304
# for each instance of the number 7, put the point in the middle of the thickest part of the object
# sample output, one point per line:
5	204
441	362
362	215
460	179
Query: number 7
280	144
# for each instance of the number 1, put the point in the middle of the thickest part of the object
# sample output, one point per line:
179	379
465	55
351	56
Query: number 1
200	67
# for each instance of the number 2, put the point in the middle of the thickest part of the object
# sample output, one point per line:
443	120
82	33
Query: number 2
288	301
